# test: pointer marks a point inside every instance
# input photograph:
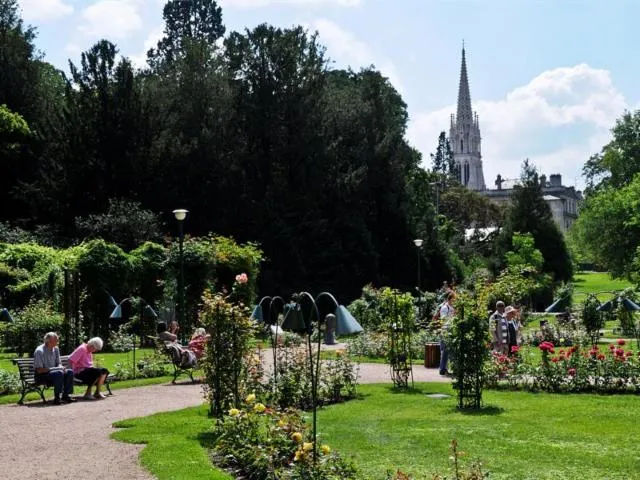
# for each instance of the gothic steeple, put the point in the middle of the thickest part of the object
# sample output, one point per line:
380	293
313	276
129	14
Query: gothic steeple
465	114
465	137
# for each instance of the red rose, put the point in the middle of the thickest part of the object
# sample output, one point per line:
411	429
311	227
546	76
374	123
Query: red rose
629	353
621	341
619	352
572	372
612	346
601	357
554	359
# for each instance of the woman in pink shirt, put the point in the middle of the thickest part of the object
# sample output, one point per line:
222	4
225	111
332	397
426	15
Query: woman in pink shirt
81	361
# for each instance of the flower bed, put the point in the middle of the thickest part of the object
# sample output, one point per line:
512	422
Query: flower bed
615	369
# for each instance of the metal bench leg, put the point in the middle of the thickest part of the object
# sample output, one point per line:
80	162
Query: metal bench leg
24	394
106	384
41	392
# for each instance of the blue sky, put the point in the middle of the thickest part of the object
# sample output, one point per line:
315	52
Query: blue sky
548	77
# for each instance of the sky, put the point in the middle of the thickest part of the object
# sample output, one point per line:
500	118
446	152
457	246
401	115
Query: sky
548	78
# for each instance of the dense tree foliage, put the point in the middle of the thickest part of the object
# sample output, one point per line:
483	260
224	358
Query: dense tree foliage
619	161
612	200
251	131
529	213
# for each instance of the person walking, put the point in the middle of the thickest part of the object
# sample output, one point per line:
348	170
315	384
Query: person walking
445	314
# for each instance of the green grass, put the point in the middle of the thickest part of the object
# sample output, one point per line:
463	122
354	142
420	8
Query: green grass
173	444
517	435
586	283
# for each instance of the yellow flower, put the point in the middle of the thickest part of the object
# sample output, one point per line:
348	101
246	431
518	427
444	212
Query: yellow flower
259	407
325	449
299	455
250	398
234	412
296	437
281	423
339	353
307	446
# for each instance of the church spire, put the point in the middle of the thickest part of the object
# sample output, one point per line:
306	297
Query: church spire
465	114
464	136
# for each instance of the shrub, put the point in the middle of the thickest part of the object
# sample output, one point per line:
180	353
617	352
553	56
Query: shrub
231	332
150	366
122	340
377	309
31	324
592	319
337	381
468	340
261	443
9	382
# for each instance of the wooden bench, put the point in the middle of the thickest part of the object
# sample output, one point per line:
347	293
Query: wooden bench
27	378
178	369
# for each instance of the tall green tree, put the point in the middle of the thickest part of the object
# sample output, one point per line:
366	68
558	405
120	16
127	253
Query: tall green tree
442	161
608	228
186	22
619	161
529	213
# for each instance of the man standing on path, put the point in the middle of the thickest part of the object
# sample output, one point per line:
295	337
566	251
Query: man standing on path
445	313
49	370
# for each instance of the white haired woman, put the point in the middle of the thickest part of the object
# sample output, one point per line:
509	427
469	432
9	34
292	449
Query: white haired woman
81	361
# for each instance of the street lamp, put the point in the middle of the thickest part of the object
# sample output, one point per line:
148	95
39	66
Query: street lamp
145	308
418	243
180	215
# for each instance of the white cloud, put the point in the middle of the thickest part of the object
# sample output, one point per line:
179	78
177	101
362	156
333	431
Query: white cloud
44	10
111	19
558	120
347	50
295	3
151	41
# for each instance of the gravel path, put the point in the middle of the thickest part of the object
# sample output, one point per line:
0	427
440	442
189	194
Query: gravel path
72	441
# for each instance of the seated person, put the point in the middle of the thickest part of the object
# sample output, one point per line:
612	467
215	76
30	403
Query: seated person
165	335
49	371
180	355
198	342
81	361
174	327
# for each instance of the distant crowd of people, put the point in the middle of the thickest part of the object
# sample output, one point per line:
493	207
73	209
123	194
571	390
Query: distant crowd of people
504	323
48	368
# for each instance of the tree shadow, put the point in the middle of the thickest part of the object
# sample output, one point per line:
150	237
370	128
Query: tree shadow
489	410
404	391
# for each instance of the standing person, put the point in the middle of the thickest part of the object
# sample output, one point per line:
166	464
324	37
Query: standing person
81	361
445	313
513	328
49	371
498	325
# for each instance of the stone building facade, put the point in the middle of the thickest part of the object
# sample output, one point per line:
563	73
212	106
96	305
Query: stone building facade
465	140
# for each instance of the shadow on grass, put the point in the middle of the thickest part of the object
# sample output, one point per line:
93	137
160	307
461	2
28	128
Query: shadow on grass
488	410
405	391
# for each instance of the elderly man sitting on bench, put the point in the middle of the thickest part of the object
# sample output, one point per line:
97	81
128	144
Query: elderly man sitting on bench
48	369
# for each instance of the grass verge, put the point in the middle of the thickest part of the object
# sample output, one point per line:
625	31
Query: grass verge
174	444
517	435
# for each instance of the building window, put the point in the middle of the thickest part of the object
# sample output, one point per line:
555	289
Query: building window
461	146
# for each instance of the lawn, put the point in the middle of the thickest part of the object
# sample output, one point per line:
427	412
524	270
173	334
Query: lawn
518	435
586	283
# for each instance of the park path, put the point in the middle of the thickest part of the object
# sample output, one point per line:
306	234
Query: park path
72	441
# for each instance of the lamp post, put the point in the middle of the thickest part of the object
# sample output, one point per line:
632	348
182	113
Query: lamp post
418	243
144	308
180	215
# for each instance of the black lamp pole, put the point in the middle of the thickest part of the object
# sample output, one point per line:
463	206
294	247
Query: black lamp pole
180	215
